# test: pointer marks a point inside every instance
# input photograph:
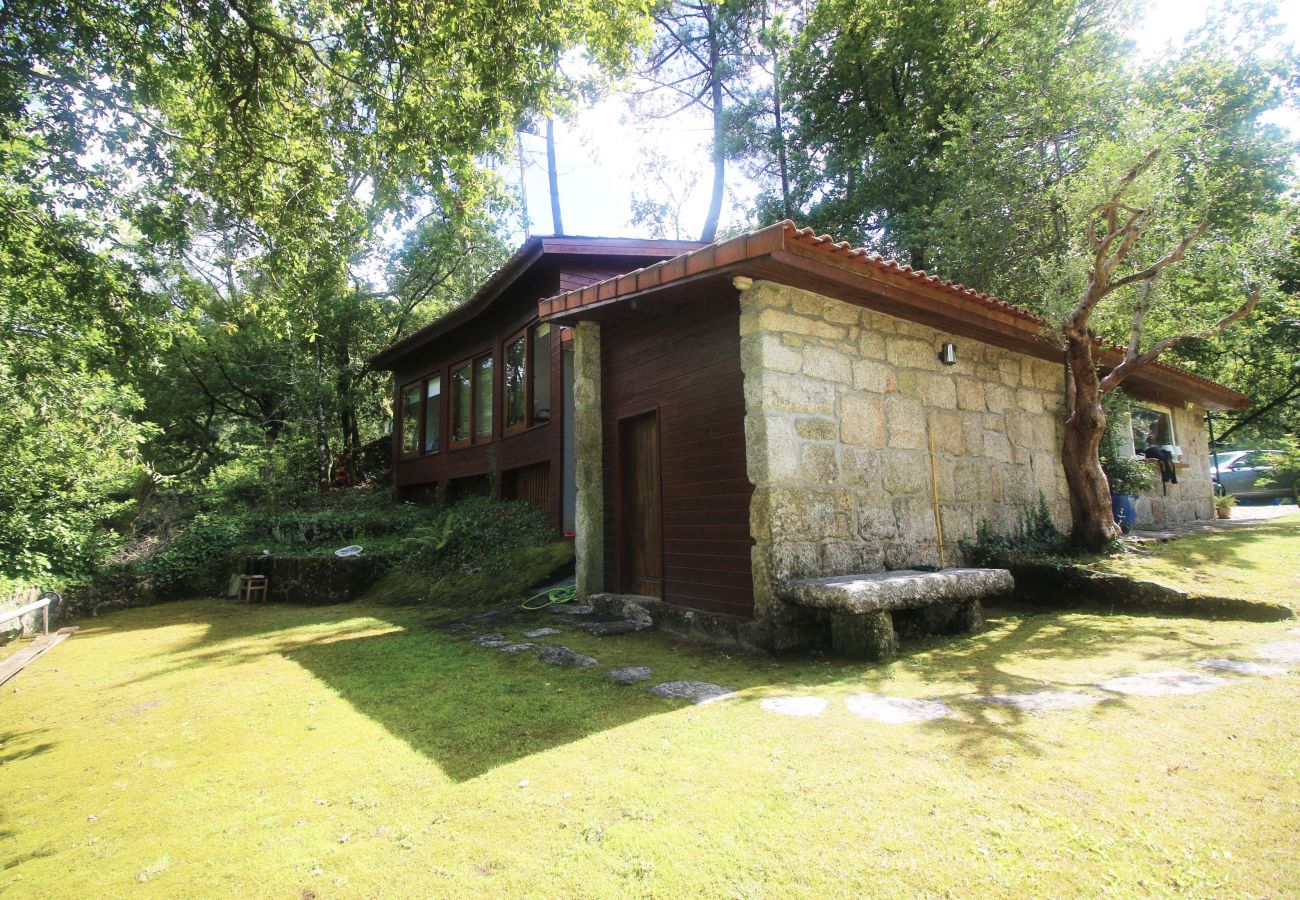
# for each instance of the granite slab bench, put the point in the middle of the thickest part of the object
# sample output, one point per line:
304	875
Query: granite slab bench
862	607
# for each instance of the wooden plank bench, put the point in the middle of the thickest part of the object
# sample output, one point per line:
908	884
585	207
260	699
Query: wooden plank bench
861	607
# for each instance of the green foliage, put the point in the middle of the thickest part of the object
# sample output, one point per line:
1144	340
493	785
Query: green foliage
1126	473
189	555
1034	537
472	535
506	575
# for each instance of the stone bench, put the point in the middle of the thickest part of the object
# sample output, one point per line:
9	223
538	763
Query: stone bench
862	607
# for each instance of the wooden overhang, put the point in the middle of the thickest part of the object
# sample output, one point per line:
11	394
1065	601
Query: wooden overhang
787	254
523	259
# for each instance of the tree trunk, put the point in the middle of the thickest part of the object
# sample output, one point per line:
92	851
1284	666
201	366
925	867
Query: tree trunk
781	161
719	140
552	177
322	438
1093	524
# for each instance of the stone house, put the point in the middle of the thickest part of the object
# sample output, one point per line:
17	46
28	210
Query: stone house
780	406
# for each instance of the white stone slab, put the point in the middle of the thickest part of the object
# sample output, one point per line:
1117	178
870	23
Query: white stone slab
899	589
1280	651
1043	701
697	692
897	710
1162	684
795	706
1242	667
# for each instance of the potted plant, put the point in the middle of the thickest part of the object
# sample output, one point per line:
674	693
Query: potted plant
1223	505
1128	475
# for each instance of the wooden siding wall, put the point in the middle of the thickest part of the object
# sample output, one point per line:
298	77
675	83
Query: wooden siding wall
687	366
539	445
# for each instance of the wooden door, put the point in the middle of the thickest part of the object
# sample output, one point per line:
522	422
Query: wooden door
641	516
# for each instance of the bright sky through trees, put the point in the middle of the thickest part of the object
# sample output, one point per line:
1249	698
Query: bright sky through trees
599	154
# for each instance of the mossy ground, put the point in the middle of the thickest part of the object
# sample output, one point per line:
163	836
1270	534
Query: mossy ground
1260	562
203	748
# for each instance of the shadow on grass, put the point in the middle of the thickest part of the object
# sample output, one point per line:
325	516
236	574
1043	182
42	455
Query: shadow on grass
471	709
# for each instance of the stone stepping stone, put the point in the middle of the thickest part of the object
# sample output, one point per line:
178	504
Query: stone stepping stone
566	658
492	639
631	674
1163	684
1242	667
608	629
516	648
569	609
696	692
897	710
795	706
542	632
1044	701
1280	651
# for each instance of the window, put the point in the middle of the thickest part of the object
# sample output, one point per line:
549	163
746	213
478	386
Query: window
460	405
483	398
527	394
411	420
1152	427
516	374
433	414
540	357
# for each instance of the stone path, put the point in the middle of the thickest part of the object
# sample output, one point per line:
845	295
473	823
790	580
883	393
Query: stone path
1282	658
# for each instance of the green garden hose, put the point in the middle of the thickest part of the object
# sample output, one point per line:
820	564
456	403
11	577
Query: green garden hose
551	597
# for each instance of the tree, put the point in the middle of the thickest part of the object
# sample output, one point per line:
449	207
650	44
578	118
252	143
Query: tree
699	49
1114	231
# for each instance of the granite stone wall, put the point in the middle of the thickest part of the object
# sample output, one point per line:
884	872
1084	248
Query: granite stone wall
841	405
589	519
1193	496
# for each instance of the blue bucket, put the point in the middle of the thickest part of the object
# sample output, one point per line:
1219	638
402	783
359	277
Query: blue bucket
1124	508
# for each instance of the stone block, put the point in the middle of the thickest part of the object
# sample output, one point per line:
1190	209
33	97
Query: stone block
770	454
914	516
1020	431
998	398
762	350
789	393
971	481
779	320
816	429
862	420
867	636
859	467
871	344
946	427
997	447
904	473
817	464
936	390
1028	400
827	365
911	354
873	376
1009	371
970	394
841	313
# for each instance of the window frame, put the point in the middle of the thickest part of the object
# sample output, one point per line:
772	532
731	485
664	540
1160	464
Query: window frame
1161	409
530	421
419	388
506	428
471	363
424	413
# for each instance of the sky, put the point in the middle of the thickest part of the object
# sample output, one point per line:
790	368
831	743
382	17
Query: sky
599	154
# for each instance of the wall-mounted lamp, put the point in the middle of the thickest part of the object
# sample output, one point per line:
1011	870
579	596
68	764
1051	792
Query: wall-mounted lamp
948	355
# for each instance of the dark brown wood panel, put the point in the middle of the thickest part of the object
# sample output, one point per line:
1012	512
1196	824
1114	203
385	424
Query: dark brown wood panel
685	367
531	484
641	557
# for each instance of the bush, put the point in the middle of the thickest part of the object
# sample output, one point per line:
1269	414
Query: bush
1126	474
1035	536
510	575
472	534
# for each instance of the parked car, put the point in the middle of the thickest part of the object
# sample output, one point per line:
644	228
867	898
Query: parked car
1253	475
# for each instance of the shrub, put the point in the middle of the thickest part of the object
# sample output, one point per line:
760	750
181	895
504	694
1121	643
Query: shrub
1035	536
472	534
509	575
1126	474
191	554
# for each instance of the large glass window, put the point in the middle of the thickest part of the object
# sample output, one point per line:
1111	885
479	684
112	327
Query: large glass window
483	398
411	419
516	385
1152	427
433	414
460	404
541	374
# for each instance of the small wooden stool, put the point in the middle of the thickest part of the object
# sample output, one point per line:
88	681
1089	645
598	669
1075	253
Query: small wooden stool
252	584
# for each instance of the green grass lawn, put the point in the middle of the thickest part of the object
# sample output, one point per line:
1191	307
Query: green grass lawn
203	748
1258	562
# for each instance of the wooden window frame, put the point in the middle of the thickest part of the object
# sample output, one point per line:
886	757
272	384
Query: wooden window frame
452	443
1161	408
419	388
508	430
424	411
529	422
